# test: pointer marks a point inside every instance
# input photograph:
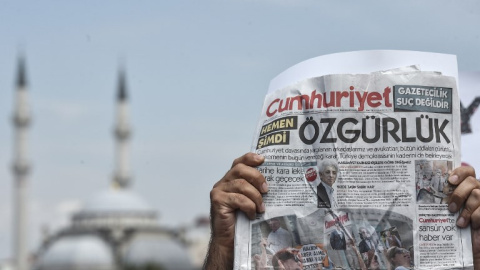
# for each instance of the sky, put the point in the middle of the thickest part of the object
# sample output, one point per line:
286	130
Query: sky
197	72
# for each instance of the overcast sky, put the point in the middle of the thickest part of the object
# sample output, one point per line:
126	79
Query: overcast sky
197	72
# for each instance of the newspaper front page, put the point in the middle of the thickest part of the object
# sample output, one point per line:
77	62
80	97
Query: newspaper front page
357	168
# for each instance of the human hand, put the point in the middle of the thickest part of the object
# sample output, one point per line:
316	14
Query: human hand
467	193
264	242
240	189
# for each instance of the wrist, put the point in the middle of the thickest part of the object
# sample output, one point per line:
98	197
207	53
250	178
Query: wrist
219	256
222	245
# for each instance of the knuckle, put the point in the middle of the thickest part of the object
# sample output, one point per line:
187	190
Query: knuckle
471	171
476	214
466	170
236	161
471	180
241	159
258	196
245	172
475	217
238	184
242	182
455	197
237	169
259	201
477	182
475	194
466	212
215	196
250	210
257	174
218	183
233	173
233	198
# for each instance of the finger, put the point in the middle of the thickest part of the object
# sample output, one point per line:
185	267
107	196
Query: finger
475	219
229	202
252	175
460	174
242	171
476	248
249	159
242	203
472	204
241	186
461	193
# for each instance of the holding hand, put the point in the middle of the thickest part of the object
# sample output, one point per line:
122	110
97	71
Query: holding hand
467	193
240	189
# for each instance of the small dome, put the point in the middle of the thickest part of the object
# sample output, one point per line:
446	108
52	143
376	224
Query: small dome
77	252
160	250
119	200
115	208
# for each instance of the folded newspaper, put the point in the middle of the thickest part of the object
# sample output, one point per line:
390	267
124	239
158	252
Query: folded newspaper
357	168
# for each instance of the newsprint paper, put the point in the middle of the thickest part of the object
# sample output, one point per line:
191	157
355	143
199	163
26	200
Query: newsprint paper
357	168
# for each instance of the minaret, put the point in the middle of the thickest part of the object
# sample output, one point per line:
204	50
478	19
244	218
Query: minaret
122	178
21	167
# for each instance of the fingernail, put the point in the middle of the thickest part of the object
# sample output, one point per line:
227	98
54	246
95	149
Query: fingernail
452	207
262	207
453	179
461	222
264	187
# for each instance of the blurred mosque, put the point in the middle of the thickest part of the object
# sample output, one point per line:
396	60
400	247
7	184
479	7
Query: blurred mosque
116	229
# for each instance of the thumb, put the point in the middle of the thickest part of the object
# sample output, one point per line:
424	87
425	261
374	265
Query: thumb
476	248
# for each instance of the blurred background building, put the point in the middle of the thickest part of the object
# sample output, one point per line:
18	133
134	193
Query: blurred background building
116	229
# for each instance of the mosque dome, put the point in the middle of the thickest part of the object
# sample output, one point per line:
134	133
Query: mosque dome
159	250
117	208
77	253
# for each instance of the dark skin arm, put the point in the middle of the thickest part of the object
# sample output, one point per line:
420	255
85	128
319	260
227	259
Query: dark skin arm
240	189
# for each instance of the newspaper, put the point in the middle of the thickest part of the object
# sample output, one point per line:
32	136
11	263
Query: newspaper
357	168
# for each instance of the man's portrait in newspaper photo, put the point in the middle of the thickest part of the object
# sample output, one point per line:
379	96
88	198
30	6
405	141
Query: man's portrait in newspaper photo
278	238
328	173
431	181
